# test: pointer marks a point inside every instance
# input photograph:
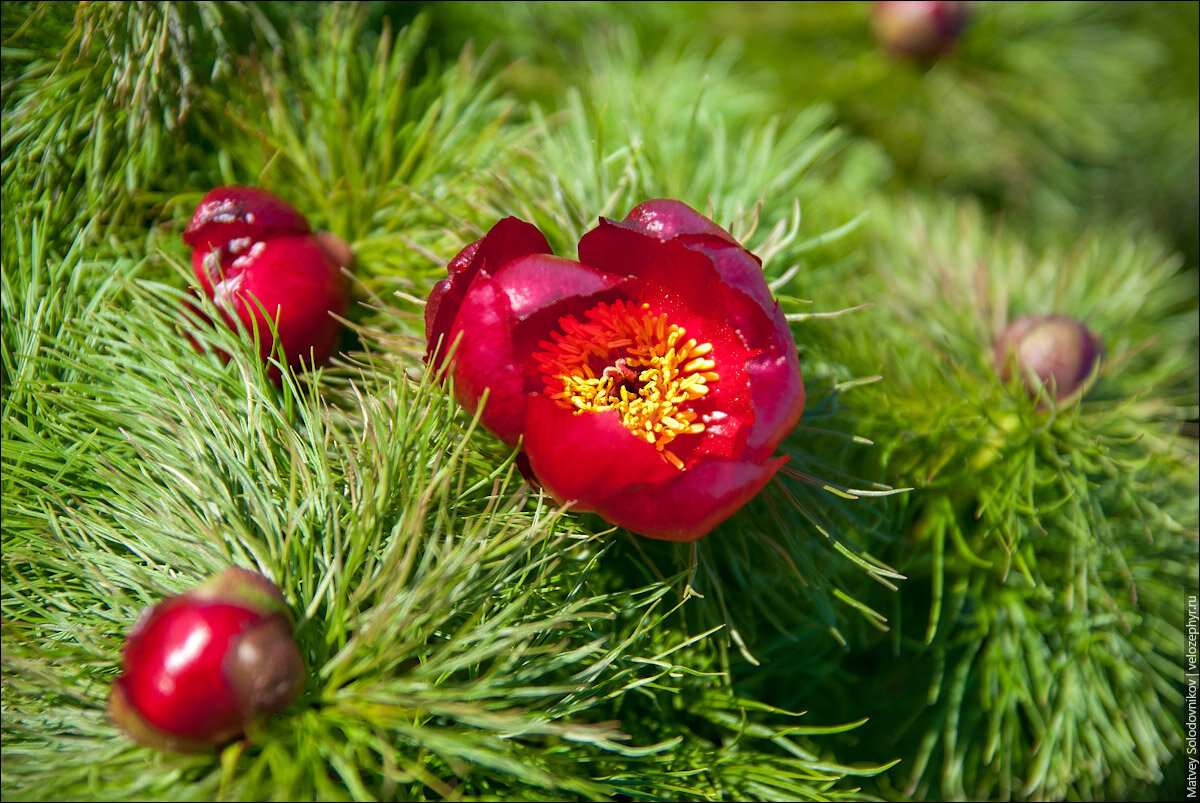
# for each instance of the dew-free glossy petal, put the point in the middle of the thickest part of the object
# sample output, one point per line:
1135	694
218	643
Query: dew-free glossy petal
508	240
690	504
587	457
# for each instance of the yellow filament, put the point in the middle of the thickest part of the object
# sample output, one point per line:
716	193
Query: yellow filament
625	358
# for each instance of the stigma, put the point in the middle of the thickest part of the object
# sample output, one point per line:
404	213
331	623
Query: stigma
624	357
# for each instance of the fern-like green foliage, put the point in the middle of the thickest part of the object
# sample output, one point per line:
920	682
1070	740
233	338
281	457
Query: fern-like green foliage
99	101
1049	546
1011	627
1052	111
464	638
391	141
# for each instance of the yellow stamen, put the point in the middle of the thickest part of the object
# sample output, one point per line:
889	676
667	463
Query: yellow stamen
625	358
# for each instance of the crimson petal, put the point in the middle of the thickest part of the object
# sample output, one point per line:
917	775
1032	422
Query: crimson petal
686	284
777	392
590	456
738	295
230	213
664	219
690	284
776	384
738	269
484	359
690	504
508	240
537	281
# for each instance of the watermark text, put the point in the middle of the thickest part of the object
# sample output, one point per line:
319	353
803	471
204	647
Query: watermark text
1192	676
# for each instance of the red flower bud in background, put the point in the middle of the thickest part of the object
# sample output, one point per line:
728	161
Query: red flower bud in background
919	29
1054	351
255	257
198	668
651	380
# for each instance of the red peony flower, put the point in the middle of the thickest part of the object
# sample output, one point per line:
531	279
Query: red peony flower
256	258
199	667
651	380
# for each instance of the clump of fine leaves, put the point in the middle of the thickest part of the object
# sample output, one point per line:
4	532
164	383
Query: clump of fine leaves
1039	649
100	101
462	637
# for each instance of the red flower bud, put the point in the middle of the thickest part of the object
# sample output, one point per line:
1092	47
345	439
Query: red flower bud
198	668
1054	351
918	29
650	381
229	213
255	257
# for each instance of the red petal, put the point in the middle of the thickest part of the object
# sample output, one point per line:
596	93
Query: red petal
589	456
776	385
534	329
738	269
229	213
692	503
663	219
535	282
685	285
486	358
172	674
508	240
291	281
777	392
712	289
482	361
687	278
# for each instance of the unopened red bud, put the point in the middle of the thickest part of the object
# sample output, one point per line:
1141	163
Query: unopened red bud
197	669
255	257
227	214
1055	351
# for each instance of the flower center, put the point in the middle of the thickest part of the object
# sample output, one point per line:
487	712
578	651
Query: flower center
625	358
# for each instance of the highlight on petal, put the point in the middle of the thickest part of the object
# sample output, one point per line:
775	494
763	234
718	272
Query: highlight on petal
508	240
534	282
665	219
227	214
